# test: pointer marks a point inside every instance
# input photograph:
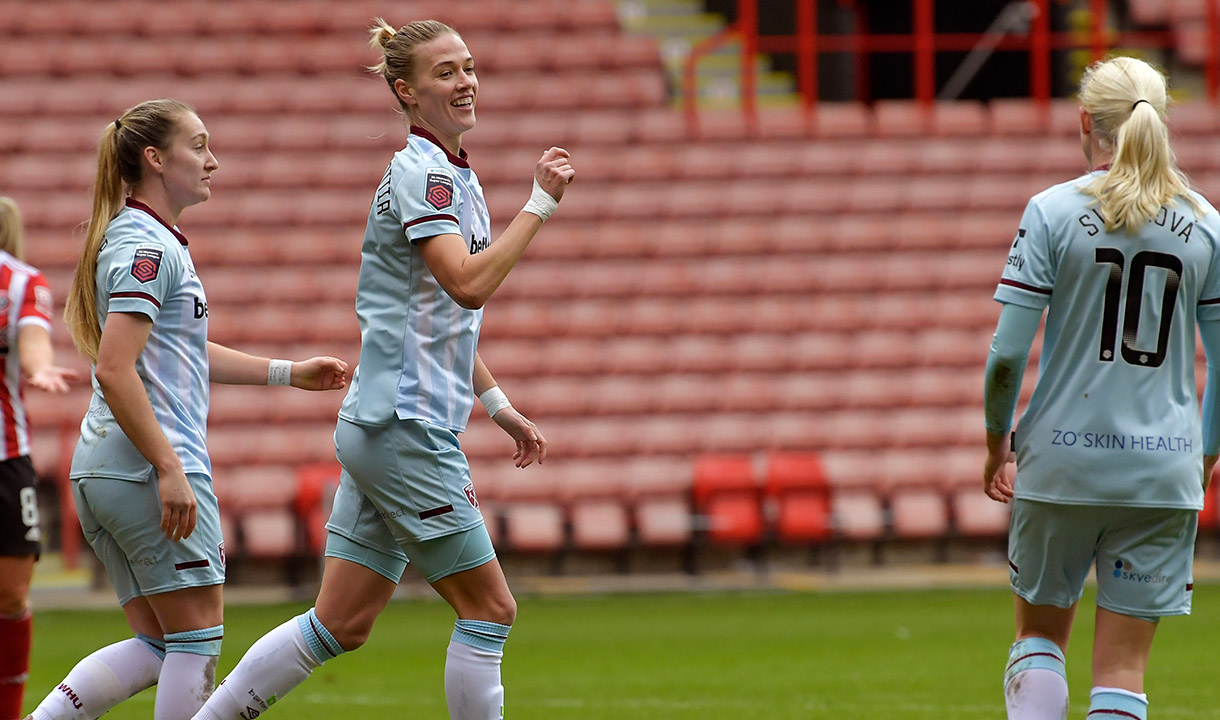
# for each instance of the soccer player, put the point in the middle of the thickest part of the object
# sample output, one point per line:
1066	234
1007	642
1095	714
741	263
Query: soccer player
1112	464
405	494
25	332
141	475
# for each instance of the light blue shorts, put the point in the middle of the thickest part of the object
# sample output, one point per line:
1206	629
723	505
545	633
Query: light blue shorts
121	519
405	495
1144	556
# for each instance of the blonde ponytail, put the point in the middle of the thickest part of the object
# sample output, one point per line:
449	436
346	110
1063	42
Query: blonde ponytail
12	238
119	166
1126	100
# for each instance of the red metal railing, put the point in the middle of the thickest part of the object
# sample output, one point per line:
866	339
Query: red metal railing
923	43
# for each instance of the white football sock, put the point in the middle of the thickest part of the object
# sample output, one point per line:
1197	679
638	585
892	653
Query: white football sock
472	670
101	681
274	665
186	683
1035	682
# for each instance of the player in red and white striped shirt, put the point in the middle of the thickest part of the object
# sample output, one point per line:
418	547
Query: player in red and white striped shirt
25	354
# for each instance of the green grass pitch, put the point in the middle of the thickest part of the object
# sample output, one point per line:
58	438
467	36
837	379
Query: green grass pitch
757	655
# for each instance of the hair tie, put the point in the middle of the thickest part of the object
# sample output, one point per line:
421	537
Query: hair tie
1137	102
117	125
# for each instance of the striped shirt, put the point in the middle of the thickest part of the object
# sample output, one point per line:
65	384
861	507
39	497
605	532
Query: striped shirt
25	299
1114	417
417	344
144	267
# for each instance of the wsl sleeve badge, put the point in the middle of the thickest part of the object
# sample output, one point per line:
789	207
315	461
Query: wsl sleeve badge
438	190
146	264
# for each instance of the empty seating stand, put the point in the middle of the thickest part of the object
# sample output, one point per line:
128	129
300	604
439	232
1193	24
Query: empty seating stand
731	336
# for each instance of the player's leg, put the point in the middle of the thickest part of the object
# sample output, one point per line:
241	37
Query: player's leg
15	628
351	598
20	545
486	610
1144	572
170	591
116	672
192	622
429	504
1035	679
361	571
1050	549
1121	646
185	588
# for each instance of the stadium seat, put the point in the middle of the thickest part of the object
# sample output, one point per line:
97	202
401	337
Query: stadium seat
533	526
728	495
918	513
800	496
859	514
977	516
599	524
270	533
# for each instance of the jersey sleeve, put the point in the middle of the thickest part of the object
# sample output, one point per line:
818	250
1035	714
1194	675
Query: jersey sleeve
36	306
426	199
1029	273
140	276
1209	295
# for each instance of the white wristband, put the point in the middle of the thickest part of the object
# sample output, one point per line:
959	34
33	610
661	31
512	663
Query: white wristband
540	203
494	400
279	372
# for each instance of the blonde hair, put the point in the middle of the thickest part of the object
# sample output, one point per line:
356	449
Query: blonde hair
119	167
1126	98
12	239
398	49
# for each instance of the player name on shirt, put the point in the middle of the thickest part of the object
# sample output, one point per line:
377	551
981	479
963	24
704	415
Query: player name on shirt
1179	225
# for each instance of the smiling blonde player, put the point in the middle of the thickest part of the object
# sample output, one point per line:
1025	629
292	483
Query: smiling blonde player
405	495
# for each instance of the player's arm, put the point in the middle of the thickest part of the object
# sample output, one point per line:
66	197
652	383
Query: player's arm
531	445
471	279
1209	332
233	367
1006	362
37	359
34	340
123	339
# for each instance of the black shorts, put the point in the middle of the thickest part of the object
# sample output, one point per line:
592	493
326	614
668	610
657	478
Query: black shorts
19	532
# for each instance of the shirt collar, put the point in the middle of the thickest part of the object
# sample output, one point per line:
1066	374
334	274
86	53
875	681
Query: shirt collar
459	159
132	203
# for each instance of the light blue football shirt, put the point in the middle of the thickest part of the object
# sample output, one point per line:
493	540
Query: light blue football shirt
417	346
1114	417
144	267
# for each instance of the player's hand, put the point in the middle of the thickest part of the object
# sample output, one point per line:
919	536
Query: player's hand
1209	466
554	171
52	379
997	482
531	445
319	373
177	505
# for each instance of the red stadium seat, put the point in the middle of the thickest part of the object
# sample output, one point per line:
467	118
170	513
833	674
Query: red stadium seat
728	494
801	497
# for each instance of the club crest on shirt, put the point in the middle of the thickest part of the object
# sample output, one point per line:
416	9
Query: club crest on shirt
470	496
42	299
146	264
438	190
